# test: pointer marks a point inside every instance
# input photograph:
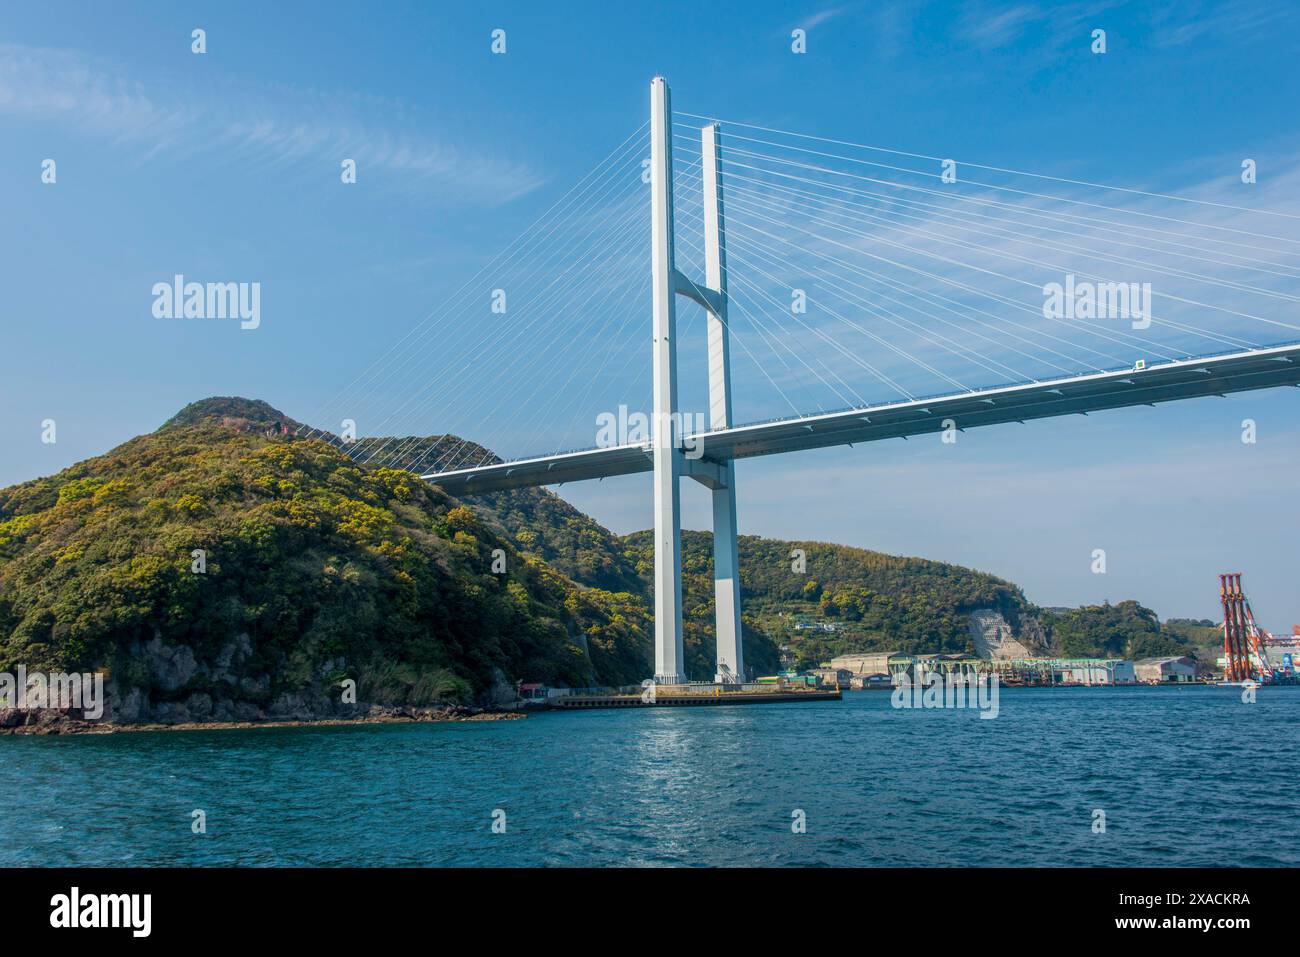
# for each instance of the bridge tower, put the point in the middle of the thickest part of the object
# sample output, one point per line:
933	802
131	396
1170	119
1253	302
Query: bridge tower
726	561
669	462
669	656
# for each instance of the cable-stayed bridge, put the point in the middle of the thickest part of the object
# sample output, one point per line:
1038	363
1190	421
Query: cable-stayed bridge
909	280
1073	395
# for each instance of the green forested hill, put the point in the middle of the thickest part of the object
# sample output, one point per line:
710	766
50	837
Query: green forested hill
544	524
316	570
1204	638
762	656
536	519
1123	630
234	412
320	566
872	600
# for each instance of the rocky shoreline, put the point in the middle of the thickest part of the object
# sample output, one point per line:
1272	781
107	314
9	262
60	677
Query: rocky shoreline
14	721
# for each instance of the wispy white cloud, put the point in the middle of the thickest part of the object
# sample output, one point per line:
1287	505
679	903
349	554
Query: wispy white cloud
55	84
1060	26
1242	21
822	16
991	29
275	126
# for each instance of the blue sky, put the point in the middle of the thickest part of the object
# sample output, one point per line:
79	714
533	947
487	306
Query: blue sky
225	167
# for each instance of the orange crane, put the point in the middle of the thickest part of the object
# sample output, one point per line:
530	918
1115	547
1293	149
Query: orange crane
1243	643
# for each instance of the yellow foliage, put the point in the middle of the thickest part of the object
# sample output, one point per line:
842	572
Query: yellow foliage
78	489
190	503
462	518
16	528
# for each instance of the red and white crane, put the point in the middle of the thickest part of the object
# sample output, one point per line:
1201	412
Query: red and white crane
1245	658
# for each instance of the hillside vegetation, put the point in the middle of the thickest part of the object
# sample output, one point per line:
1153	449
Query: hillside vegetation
1123	630
314	570
235	564
873	600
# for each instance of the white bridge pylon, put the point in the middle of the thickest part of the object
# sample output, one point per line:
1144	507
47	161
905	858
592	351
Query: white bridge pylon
1142	383
668	283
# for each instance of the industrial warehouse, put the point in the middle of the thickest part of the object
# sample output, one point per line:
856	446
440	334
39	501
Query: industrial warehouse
1246	659
884	670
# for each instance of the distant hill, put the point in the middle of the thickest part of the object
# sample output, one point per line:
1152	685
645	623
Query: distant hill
244	415
871	600
536	519
1202	636
1123	630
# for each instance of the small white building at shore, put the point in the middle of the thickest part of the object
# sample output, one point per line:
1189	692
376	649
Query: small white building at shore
1162	670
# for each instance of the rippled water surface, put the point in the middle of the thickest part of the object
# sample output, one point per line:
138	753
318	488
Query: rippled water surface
1185	776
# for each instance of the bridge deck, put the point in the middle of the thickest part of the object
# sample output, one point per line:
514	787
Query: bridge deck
1163	382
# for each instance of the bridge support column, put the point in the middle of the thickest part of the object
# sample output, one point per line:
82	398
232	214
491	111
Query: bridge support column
726	562
669	657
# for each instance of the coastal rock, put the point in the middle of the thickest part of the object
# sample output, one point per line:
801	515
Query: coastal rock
502	693
230	657
247	711
228	714
125	709
169	712
295	707
199	706
257	687
170	666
